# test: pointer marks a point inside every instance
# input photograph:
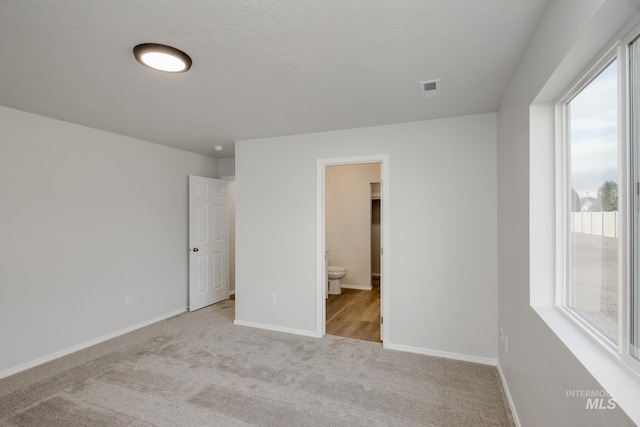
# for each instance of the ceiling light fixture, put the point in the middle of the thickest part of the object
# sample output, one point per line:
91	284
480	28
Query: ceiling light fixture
162	57
218	147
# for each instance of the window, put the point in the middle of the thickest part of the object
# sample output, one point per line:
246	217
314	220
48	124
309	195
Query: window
599	177
592	148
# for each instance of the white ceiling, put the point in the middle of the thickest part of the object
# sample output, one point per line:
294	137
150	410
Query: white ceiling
260	67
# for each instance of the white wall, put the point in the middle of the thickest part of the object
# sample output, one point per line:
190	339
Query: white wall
87	218
348	219
538	368
226	166
443	267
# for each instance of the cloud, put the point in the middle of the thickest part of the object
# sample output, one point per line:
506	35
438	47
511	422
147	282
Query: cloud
593	130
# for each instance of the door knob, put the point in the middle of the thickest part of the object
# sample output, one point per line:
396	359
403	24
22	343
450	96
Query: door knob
195	249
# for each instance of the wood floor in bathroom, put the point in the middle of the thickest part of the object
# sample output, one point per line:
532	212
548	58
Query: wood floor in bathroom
355	314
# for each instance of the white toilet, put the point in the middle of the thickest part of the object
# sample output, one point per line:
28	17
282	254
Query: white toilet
335	273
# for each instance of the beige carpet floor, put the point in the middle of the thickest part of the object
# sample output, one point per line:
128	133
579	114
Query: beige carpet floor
198	369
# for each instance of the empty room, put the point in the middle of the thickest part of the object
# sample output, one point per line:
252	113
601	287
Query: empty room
174	238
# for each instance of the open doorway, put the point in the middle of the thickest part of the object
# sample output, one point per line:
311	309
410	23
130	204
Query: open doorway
351	231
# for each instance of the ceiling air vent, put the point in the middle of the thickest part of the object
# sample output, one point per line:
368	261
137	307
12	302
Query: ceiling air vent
430	89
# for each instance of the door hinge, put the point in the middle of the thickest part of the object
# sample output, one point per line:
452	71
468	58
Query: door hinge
381	320
381	251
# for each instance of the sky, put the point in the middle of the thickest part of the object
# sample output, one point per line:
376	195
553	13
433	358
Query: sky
593	130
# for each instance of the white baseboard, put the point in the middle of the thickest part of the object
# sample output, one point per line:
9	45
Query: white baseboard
359	287
233	292
514	414
277	328
86	344
444	354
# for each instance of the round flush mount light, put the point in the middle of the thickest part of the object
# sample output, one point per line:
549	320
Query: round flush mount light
162	57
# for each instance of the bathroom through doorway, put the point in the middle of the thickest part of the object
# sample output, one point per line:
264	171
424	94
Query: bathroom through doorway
351	235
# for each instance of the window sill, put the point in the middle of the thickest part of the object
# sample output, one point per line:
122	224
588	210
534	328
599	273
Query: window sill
603	364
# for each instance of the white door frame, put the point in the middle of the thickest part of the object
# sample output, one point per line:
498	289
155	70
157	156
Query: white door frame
321	280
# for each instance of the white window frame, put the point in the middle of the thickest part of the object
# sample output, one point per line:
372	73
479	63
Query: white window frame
621	351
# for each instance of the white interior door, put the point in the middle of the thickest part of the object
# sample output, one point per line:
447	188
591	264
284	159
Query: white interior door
207	242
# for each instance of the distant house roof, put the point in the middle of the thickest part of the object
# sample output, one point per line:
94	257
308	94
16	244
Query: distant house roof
590	204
